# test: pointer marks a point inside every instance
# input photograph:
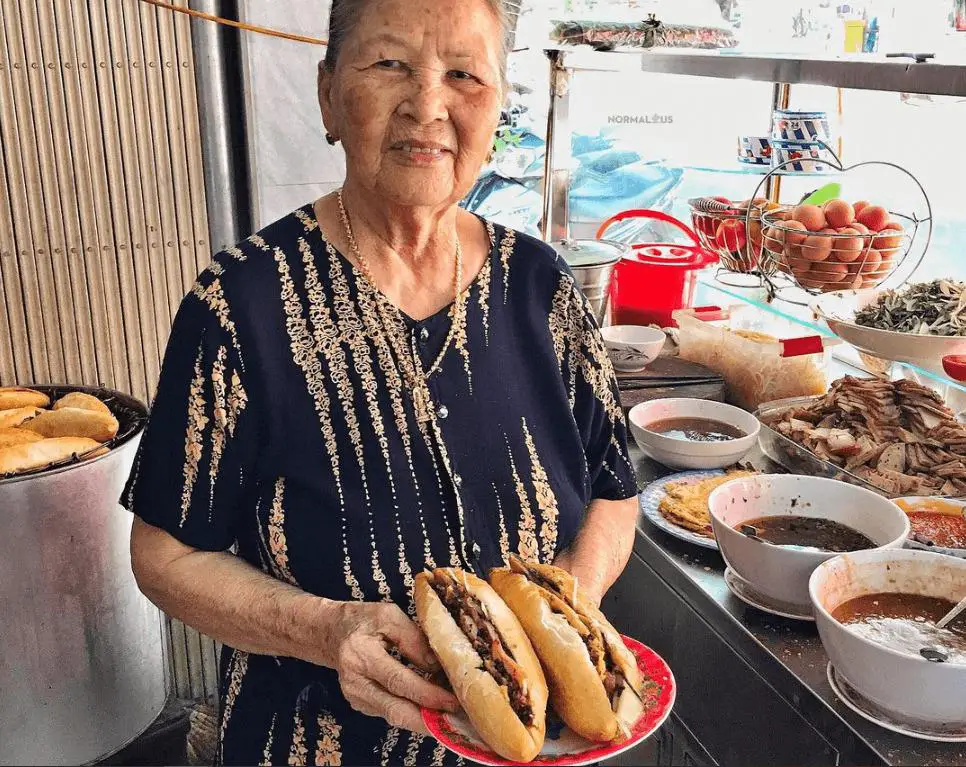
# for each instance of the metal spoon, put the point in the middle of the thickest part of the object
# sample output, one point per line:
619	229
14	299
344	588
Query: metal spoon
952	614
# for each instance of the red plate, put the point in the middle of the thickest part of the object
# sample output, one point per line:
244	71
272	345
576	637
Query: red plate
567	749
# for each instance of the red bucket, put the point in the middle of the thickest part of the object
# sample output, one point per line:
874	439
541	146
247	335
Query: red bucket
656	278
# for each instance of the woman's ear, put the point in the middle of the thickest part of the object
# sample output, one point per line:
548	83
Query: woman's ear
324	87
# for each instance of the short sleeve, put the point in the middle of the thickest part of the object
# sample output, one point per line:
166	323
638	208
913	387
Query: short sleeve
190	469
595	399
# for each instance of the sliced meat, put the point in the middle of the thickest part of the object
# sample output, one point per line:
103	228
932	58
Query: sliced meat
471	617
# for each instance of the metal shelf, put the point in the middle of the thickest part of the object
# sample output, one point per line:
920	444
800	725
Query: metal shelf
858	71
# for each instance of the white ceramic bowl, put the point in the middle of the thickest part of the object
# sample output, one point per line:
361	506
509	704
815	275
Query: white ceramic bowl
683	454
632	347
907	687
838	310
779	572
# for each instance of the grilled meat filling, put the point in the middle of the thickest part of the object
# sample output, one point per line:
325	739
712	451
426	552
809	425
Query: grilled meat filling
610	675
473	621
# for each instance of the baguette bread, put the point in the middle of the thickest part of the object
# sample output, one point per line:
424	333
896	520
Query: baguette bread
515	730
74	422
82	401
595	685
11	437
13	397
36	455
17	416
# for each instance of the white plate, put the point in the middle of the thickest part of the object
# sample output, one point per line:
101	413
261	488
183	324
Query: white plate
654	493
747	594
838	310
853	700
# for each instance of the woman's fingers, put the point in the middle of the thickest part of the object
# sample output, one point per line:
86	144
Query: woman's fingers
372	700
403	682
405	635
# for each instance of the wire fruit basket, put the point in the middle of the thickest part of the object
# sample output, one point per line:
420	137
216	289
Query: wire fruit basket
849	257
841	245
733	231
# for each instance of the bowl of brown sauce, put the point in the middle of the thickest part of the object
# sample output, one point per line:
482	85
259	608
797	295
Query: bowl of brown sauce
685	433
773	530
876	613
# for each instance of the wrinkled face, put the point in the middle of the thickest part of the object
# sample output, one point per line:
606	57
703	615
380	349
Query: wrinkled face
415	98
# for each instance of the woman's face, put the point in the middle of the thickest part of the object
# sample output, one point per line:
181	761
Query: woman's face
415	98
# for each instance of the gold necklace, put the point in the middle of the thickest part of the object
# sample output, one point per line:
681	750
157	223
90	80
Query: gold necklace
412	368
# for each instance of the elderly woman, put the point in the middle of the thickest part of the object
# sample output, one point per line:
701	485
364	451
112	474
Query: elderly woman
377	383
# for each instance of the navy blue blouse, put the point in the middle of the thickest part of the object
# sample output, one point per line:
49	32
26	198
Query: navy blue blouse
283	425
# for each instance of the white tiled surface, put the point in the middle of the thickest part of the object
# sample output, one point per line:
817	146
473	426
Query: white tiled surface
291	161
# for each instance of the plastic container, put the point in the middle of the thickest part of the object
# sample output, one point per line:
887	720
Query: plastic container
755	366
804	156
653	280
754	150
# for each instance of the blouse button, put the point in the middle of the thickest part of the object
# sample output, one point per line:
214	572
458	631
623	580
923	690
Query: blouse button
424	335
442	412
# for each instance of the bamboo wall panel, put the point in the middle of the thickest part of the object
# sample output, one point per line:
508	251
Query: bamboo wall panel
103	224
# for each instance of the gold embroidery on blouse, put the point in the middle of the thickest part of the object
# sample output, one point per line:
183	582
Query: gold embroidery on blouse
237	400
236	253
459	342
527	529
484	279
395	327
579	346
218	427
276	533
298	753
613	473
506	250
486	273
215	269
329	336
214	297
237	668
267	752
309	222
197	421
328	750
504	535
393	381
444	455
439	753
412	751
388	745
258	241
546	500
305	357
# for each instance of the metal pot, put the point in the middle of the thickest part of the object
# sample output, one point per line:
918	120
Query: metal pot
81	661
592	262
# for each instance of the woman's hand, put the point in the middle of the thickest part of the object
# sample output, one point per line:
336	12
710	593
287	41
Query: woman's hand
372	680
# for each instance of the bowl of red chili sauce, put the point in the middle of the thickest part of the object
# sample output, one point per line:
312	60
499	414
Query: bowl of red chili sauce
936	524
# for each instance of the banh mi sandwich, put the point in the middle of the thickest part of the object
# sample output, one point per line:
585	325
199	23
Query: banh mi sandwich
595	685
487	658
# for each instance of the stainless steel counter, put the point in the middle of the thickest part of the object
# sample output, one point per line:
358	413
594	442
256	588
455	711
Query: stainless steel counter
752	688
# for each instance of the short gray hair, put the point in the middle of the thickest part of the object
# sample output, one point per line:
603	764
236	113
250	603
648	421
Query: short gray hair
344	14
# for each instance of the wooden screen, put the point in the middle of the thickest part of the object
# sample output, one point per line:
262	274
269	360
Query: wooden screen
102	208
